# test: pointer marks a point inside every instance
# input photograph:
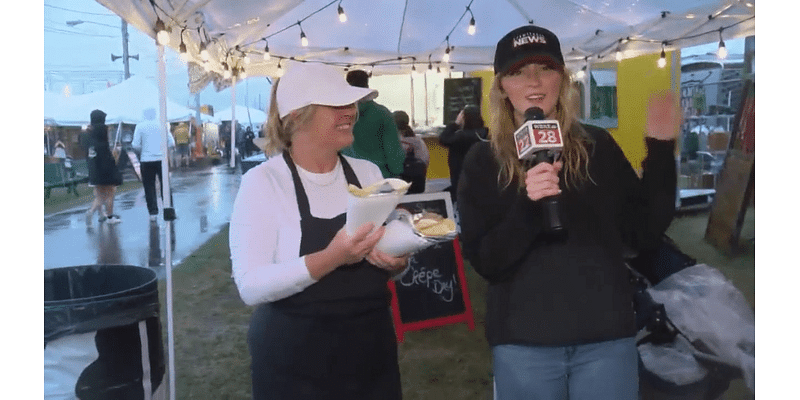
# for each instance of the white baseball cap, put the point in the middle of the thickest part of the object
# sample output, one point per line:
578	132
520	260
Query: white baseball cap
309	83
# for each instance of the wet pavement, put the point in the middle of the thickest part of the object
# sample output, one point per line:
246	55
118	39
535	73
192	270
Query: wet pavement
202	198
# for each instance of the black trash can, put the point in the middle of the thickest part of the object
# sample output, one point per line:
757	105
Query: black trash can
102	333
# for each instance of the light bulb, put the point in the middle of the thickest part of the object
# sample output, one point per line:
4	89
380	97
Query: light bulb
162	35
446	56
163	38
247	59
471	29
303	39
184	54
580	74
618	55
279	72
342	15
242	73
662	61
203	51
722	51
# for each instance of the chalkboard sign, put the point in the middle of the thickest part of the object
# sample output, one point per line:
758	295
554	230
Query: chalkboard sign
459	93
433	291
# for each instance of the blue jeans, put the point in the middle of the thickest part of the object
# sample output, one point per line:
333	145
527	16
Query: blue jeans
597	371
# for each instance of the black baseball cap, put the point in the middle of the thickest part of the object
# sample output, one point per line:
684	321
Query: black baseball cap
526	42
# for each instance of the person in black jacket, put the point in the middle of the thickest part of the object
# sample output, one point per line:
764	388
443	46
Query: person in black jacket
559	317
104	175
458	137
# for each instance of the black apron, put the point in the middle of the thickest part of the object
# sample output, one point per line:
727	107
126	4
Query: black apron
333	340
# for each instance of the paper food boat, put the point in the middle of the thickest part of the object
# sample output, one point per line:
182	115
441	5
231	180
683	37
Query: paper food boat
373	203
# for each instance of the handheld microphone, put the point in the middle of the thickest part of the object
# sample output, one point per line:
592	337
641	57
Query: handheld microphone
539	140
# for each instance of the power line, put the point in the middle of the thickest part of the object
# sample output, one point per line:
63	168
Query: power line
54	30
81	12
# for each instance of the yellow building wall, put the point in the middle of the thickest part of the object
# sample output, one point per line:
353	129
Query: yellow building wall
437	168
637	79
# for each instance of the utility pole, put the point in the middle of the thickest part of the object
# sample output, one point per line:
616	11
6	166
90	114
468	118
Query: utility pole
125	55
125	49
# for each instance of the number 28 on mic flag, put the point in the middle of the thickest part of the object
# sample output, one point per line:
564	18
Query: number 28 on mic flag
535	136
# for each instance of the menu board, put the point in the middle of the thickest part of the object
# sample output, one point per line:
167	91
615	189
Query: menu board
459	93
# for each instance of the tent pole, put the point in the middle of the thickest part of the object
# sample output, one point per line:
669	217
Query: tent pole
233	122
413	117
168	212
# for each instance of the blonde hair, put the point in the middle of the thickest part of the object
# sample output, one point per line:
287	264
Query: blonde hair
502	126
279	132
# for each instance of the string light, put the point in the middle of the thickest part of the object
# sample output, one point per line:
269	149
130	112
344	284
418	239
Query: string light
342	15
162	33
662	61
303	38
226	73
471	29
182	48
279	72
203	51
618	54
446	56
266	51
722	52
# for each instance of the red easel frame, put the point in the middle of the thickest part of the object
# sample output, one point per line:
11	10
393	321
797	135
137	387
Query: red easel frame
467	316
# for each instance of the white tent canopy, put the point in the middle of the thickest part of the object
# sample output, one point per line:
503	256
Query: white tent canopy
389	37
124	102
255	116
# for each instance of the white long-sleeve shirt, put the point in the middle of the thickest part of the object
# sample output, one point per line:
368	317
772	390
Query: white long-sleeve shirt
265	225
147	140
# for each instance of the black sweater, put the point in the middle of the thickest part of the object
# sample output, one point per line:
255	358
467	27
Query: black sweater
577	290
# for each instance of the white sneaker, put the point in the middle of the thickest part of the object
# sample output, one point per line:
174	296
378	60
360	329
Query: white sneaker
113	219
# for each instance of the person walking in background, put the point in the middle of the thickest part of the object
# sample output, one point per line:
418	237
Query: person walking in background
322	326
415	166
181	144
104	176
559	316
375	133
458	137
147	141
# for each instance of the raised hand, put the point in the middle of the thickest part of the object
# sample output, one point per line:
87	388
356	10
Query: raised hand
664	116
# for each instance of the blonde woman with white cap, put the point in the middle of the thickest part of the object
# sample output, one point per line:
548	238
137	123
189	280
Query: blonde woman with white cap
322	326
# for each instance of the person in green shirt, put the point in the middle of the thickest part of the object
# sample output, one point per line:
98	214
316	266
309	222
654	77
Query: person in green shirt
375	133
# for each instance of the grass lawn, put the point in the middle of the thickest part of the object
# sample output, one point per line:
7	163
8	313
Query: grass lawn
450	362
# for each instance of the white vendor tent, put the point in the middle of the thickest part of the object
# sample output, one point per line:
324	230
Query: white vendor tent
123	102
244	115
390	37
